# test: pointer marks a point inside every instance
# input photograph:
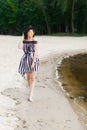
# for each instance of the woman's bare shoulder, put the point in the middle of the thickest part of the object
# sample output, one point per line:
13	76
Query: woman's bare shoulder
35	38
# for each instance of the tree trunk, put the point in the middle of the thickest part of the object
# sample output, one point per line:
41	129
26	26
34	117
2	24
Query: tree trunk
72	21
47	22
84	27
41	6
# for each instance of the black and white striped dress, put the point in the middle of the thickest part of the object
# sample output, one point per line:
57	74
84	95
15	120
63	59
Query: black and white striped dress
27	58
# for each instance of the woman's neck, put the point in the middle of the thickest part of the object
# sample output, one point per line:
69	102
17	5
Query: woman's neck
30	38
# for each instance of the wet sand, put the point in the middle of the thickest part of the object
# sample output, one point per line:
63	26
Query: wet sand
73	76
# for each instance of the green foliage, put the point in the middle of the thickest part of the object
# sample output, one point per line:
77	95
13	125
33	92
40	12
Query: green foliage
47	16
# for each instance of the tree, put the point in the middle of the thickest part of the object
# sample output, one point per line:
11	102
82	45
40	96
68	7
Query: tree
67	5
41	4
73	7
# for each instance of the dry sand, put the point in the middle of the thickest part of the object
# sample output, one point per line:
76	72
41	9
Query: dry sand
50	110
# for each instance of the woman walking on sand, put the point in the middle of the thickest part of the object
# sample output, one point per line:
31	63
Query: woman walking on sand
29	63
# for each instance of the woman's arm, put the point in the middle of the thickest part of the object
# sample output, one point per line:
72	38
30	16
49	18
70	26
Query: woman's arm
35	52
20	45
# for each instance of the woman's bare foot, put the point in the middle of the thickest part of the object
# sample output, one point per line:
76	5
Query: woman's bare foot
30	99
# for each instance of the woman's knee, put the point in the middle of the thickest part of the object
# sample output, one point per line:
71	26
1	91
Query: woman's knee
28	76
33	77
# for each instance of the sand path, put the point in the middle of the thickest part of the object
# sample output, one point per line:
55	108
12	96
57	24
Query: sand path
50	109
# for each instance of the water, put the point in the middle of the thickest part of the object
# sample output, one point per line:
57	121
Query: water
73	76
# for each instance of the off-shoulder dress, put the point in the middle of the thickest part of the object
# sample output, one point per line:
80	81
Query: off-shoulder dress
27	58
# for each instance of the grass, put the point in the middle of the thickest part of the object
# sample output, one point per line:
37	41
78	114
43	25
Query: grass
69	34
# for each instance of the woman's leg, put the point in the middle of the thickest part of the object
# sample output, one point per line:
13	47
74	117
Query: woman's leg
29	78
32	84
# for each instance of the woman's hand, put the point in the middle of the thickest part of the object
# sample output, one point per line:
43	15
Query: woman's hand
20	45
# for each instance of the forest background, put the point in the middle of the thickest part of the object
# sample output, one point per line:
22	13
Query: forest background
47	16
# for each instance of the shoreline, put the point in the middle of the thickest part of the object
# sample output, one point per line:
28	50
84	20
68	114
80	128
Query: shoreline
77	106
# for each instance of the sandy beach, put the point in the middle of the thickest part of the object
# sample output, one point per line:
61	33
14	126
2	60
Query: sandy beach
50	110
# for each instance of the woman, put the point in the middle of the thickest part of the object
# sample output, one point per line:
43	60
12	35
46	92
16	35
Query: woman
29	63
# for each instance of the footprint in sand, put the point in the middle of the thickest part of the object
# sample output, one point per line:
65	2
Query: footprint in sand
15	94
22	123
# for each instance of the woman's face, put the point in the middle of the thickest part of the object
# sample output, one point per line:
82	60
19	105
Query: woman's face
30	33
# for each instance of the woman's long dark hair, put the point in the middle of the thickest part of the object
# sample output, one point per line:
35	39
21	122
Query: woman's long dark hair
27	30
